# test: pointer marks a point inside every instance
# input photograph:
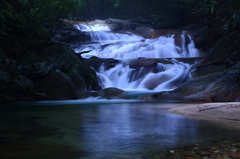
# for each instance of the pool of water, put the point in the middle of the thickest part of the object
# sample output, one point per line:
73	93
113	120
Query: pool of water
99	129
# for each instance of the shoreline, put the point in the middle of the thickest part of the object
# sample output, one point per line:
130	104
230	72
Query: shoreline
227	113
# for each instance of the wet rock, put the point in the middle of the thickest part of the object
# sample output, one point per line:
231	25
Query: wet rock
10	63
202	41
60	74
64	59
227	46
20	85
165	95
166	32
206	70
118	24
233	59
57	85
96	63
211	83
14	84
70	35
4	76
144	31
178	40
110	93
142	62
156	80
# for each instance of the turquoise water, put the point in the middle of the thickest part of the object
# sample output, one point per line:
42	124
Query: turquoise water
99	129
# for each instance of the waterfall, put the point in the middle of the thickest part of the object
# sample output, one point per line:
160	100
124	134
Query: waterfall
167	77
126	46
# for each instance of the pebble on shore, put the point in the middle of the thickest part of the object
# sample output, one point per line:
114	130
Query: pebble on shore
223	149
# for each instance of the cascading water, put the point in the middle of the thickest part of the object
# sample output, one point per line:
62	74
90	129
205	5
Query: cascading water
126	46
161	77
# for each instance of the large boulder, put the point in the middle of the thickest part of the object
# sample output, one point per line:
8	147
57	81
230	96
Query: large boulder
107	93
58	85
57	74
14	87
144	31
62	58
110	93
96	62
118	24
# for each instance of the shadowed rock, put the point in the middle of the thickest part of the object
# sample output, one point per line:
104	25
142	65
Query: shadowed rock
58	75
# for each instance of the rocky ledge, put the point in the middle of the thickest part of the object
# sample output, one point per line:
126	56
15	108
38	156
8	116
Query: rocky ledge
210	83
214	79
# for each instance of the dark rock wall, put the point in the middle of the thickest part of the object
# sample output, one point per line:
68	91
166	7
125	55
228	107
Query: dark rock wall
60	74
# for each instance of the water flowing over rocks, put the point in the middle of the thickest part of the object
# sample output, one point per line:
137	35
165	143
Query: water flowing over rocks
214	79
139	59
128	56
136	57
211	83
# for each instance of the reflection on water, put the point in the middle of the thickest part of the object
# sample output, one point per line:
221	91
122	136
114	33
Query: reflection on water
113	130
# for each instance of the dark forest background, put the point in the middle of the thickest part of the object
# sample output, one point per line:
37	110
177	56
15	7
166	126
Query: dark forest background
30	54
35	20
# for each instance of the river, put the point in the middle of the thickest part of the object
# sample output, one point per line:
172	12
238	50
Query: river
113	129
94	129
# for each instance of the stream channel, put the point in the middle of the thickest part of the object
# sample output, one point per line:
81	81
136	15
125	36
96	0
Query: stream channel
96	128
100	129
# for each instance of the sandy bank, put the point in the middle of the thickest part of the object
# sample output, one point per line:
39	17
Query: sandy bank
228	113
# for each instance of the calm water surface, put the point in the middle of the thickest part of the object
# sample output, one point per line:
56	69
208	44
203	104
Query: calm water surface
99	129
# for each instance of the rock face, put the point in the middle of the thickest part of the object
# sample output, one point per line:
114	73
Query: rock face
96	62
60	74
212	82
118	24
70	36
110	93
144	31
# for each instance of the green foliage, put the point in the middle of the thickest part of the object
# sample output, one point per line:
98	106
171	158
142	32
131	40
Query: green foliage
177	12
24	2
117	3
27	25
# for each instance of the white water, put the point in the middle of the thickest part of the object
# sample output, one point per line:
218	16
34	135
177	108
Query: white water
90	100
126	45
168	79
96	27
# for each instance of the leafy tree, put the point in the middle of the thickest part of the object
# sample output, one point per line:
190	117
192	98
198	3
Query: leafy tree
178	13
27	25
